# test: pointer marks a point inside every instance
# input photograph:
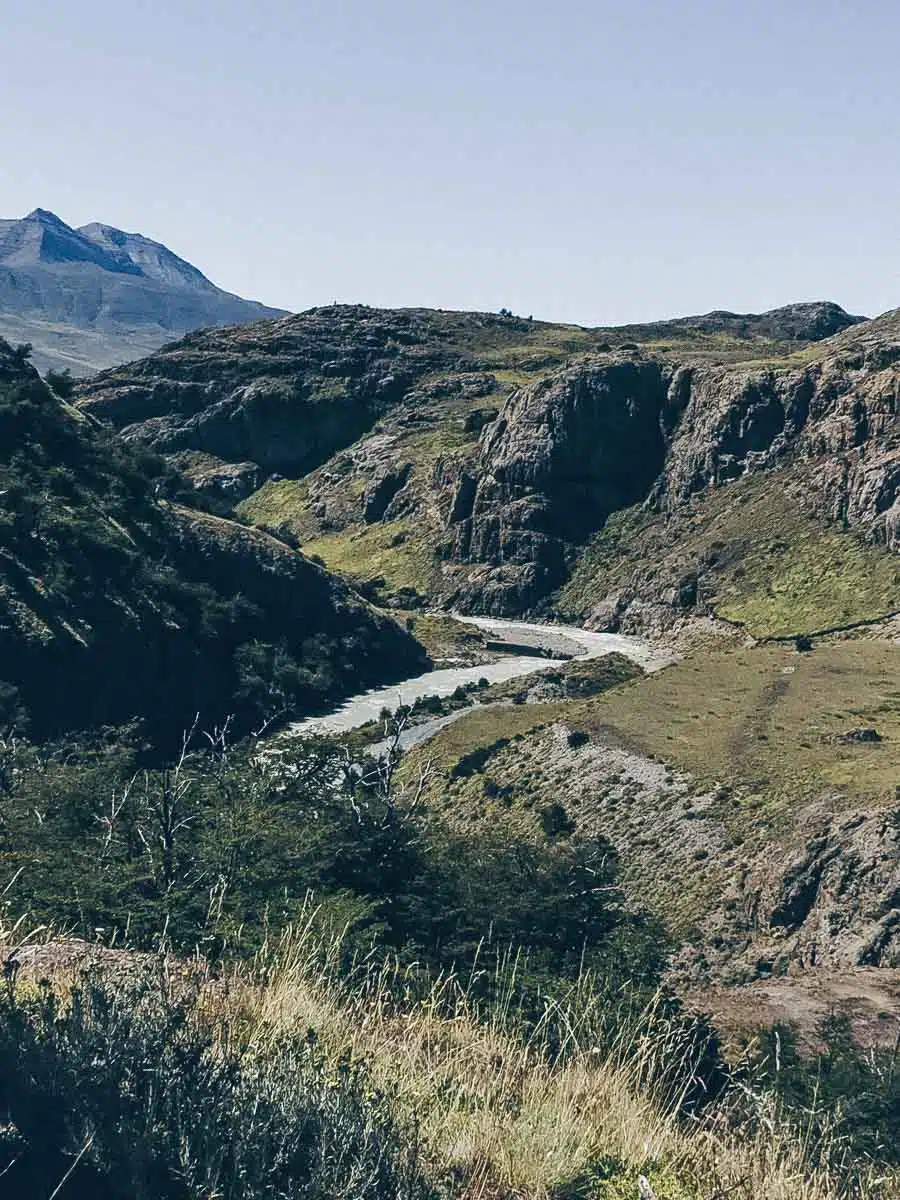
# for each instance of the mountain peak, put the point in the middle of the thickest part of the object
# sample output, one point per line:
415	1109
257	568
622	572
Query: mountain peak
45	217
43	238
108	295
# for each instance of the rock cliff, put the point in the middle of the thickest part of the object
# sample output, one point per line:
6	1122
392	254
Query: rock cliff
571	449
462	457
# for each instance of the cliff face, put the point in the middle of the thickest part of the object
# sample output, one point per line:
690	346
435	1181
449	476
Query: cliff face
568	451
842	405
116	602
561	457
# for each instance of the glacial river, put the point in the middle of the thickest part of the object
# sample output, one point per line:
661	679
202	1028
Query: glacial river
568	641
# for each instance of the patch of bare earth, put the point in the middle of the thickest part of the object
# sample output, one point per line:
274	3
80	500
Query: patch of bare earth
868	996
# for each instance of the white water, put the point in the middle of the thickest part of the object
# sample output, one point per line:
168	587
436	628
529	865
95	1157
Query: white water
570	640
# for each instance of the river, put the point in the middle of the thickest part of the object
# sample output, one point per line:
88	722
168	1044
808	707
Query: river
568	641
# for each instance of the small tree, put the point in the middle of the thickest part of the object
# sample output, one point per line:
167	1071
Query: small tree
61	382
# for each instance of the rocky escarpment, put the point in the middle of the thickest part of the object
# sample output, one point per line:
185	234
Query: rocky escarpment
843	405
600	436
561	457
466	456
286	394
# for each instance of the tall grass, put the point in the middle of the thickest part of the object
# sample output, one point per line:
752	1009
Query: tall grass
536	1112
572	1102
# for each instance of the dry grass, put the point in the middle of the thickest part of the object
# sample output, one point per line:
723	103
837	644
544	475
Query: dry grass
501	1116
768	718
498	1114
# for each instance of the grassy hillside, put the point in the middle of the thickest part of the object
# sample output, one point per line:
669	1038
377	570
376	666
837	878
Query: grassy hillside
750	792
752	551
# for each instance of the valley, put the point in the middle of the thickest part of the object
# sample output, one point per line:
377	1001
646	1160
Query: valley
576	643
491	637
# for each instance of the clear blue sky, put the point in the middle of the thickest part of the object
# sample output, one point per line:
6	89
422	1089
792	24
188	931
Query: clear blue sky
580	160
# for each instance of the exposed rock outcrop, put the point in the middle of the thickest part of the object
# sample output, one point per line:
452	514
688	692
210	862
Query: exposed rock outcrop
841	406
503	498
574	447
562	455
382	490
833	899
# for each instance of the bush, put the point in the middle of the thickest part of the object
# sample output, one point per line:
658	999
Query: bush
122	1092
850	1091
556	822
61	382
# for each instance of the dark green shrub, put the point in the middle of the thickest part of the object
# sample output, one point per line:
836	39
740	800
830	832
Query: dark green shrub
844	1088
476	760
556	822
121	1092
577	738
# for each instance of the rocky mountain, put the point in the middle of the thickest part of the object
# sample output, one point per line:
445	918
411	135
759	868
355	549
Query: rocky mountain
615	430
93	297
727	484
119	601
467	458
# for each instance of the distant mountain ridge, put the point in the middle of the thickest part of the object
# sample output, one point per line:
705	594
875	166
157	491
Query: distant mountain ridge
96	296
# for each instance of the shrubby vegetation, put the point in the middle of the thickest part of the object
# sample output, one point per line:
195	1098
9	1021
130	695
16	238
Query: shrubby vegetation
115	602
510	949
119	1091
841	1086
223	848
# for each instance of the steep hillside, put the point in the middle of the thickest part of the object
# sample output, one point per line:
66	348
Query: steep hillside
749	791
777	499
373	437
117	602
93	297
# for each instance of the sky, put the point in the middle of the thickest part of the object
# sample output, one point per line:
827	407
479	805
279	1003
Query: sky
580	160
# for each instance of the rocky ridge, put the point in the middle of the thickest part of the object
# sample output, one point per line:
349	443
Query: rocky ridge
464	457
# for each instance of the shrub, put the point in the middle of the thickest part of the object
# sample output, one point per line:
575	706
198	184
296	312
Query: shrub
122	1093
555	821
843	1088
61	382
